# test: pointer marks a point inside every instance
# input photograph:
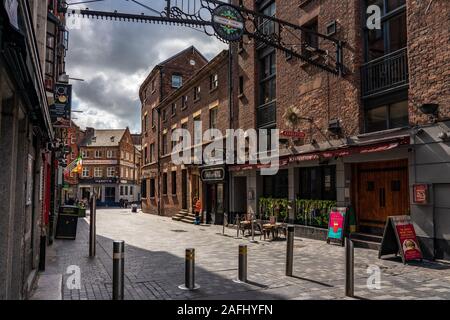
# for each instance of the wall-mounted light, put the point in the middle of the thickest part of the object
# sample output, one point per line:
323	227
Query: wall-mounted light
431	110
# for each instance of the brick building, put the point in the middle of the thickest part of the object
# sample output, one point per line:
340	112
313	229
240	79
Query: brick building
109	167
74	137
361	146
164	78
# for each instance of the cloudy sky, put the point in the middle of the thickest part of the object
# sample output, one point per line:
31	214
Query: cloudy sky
115	57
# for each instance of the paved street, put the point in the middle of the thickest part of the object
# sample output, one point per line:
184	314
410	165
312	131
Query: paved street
155	265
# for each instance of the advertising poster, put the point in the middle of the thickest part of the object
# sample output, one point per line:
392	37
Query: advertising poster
400	238
336	224
407	238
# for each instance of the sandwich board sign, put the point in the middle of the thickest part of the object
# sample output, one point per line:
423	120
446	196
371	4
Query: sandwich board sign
337	225
400	238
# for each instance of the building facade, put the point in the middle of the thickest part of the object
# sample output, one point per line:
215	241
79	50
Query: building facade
361	147
109	167
30	158
164	79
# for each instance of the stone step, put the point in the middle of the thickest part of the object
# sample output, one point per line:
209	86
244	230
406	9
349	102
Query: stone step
188	220
366	244
366	237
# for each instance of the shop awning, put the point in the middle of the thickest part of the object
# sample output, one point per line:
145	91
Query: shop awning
328	154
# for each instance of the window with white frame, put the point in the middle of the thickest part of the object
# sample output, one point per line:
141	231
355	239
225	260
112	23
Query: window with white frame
98	153
111	172
110	154
85	172
84	154
98	172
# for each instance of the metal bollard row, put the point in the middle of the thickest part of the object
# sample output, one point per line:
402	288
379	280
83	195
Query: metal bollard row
118	270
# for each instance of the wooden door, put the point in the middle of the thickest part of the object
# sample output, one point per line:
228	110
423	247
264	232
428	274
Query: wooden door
382	191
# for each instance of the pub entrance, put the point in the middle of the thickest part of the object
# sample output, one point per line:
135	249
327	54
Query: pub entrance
215	195
381	190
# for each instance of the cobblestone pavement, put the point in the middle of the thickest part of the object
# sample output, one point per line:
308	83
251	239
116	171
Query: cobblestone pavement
154	264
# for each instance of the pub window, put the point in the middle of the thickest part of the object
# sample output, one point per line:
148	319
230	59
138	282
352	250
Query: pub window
111	172
164	184
144	122
196	93
318	183
152	152
152	188
98	154
184	101
154	117
267	82
174	182
164	115
146	155
98	172
174	109
85	172
395	185
177	81
213	81
310	39
276	186
144	188
213	118
121	190
387	116
241	85
164	144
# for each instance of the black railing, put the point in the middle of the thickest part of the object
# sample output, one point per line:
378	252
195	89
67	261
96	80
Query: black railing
385	73
267	114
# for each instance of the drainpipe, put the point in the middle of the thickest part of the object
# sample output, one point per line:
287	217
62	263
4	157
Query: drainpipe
231	115
158	129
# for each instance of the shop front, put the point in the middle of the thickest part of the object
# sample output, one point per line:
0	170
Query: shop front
214	194
106	191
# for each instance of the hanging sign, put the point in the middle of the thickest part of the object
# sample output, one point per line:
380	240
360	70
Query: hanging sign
60	111
228	23
216	174
336	225
11	7
400	238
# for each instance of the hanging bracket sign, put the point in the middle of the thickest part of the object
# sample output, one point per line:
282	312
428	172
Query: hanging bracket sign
400	238
228	23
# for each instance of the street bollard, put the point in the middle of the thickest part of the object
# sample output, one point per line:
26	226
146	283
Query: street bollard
225	220
349	267
92	227
189	276
290	251
118	270
242	272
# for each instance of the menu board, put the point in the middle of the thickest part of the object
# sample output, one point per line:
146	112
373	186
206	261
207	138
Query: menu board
400	238
336	225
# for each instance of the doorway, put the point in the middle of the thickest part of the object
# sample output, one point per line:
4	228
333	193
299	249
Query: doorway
382	190
110	195
184	186
214	202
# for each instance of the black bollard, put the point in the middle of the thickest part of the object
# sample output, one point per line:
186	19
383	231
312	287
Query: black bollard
349	267
242	274
118	270
290	251
189	276
92	227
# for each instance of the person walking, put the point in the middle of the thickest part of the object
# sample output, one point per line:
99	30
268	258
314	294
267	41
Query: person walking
197	210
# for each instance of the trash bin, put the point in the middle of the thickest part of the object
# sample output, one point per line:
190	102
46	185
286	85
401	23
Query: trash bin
134	208
66	226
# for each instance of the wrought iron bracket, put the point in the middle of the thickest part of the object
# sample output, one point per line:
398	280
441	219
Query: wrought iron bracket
326	53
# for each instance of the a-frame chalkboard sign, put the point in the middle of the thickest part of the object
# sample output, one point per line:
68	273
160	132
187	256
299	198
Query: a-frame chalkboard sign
400	238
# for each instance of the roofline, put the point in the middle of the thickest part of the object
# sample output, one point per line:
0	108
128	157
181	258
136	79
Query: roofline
201	72
160	65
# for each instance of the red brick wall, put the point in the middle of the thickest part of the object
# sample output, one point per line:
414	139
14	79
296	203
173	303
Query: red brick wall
316	93
429	56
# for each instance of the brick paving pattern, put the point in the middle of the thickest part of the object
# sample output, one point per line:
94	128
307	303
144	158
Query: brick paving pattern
154	265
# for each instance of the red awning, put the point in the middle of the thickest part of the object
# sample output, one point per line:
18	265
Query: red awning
343	152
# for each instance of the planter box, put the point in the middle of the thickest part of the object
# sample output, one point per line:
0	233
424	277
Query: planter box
82	212
311	232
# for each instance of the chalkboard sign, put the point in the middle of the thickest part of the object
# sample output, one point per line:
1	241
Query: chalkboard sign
400	238
337	225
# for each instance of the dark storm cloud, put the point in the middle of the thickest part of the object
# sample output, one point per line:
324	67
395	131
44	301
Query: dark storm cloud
114	58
